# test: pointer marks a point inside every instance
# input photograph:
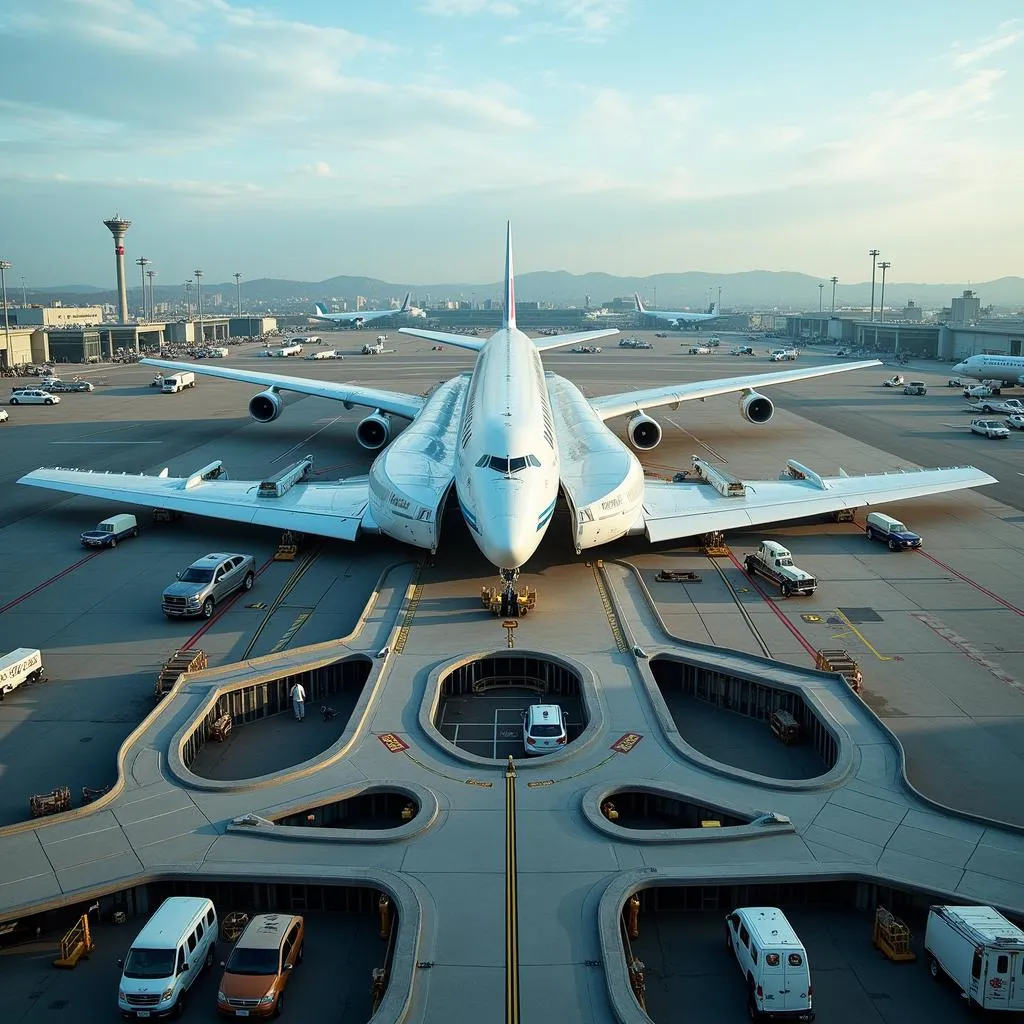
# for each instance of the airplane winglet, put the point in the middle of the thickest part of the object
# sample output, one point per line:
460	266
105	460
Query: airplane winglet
639	304
405	303
509	317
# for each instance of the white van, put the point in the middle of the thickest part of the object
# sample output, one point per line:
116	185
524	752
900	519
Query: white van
167	957
981	951
24	665
773	961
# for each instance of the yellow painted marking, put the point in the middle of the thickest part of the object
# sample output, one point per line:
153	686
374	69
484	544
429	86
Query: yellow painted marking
860	636
415	592
609	611
290	632
512	1009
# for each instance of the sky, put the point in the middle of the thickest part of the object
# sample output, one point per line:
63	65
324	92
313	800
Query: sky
304	139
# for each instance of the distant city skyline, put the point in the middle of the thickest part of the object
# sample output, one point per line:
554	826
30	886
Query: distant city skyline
306	140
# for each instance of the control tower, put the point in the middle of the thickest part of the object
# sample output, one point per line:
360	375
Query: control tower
118	227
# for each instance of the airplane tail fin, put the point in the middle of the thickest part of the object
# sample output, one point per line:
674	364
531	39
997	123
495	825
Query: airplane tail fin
320	310
639	304
509	316
405	303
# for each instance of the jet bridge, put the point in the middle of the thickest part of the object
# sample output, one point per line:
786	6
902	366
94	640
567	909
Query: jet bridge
726	484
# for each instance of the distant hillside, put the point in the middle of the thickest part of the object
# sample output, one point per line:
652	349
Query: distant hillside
758	289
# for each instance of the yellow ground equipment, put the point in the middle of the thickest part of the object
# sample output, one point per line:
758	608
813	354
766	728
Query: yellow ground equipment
892	937
841	662
76	944
288	548
523	601
188	659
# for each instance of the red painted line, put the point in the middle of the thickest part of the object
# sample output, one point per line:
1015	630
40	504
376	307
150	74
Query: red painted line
977	586
46	583
224	608
774	607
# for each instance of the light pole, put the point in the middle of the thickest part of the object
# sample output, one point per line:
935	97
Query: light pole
199	302
24	293
238	293
5	265
873	253
143	263
152	304
188	300
883	266
821	293
835	281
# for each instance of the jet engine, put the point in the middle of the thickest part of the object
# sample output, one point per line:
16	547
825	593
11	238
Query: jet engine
375	431
756	408
268	405
643	432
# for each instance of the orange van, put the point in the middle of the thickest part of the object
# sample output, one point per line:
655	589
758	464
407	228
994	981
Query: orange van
257	971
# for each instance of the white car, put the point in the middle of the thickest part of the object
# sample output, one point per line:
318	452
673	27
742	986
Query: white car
895	381
957	382
989	428
980	391
544	728
698	350
33	396
1015	422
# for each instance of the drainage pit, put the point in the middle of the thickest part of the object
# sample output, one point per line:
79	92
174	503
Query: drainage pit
263	736
726	718
647	811
377	810
481	702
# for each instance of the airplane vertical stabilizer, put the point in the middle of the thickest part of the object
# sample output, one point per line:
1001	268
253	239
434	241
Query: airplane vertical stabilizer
509	317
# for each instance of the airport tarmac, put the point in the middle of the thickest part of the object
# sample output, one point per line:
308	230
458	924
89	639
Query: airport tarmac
936	632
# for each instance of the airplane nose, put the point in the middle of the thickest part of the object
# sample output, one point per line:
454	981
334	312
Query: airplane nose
507	541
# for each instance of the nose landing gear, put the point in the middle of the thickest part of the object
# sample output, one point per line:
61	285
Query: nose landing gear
508	600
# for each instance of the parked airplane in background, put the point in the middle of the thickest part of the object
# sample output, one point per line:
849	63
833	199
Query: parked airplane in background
1008	369
510	438
677	319
362	316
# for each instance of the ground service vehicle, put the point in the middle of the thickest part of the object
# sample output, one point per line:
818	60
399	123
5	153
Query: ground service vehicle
1014	422
544	728
775	563
989	428
110	531
990	405
23	665
895	381
700	350
774	964
260	965
783	355
980	951
178	382
981	391
33	396
166	958
891	531
3	416
206	582
916	387
742	350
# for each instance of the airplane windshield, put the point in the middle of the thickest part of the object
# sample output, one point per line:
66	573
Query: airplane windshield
500	464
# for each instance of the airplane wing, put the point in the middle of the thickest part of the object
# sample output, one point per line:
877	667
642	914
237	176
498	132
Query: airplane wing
608	406
351	394
543	344
444	338
674	510
325	509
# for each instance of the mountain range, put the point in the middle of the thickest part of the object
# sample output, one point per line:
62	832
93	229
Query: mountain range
753	289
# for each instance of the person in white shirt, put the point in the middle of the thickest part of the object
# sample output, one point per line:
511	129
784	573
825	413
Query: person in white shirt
298	695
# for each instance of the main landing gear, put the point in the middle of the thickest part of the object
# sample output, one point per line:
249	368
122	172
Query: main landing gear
508	600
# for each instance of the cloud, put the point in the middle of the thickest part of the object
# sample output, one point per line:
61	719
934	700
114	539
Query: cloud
461	8
1010	35
583	19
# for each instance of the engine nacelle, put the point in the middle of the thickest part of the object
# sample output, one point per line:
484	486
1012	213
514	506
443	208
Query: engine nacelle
756	408
643	432
375	431
268	405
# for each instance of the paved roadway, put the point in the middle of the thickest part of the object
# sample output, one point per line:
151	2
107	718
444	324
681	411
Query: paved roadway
938	652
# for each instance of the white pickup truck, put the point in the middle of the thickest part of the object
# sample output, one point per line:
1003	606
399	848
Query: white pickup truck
25	665
989	428
1010	406
774	562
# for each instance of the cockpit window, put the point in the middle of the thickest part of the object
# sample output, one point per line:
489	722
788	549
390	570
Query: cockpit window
511	465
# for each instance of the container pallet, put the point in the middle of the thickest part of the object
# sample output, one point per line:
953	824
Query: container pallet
843	664
53	802
190	659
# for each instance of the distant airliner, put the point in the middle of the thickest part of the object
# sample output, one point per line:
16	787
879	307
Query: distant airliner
362	316
511	438
1008	369
676	319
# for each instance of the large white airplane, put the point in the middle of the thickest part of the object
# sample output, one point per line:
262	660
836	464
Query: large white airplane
1008	369
363	316
676	319
510	438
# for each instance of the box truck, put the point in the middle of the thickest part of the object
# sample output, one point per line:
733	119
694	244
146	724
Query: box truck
178	382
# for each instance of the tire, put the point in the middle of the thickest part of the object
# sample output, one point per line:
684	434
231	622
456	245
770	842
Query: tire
279	1005
934	969
207	611
752	1011
14	401
787	590
870	532
113	542
748	567
986	408
728	939
208	962
179	1007
893	546
248	581
47	401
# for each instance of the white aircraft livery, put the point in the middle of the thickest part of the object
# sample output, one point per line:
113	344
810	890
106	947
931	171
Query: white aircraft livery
1008	369
363	316
676	318
511	438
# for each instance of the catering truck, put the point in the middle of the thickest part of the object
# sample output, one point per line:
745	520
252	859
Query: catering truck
175	382
24	665
980	951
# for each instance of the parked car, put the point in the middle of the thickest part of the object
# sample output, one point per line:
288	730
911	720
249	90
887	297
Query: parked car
1015	422
110	531
544	728
895	381
915	387
260	966
33	396
958	382
891	531
588	349
989	428
206	582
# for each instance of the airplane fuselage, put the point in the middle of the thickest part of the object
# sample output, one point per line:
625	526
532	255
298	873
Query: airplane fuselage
1008	369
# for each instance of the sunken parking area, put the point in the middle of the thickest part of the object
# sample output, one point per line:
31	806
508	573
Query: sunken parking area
482	702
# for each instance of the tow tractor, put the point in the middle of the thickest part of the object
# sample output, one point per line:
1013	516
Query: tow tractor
508	600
